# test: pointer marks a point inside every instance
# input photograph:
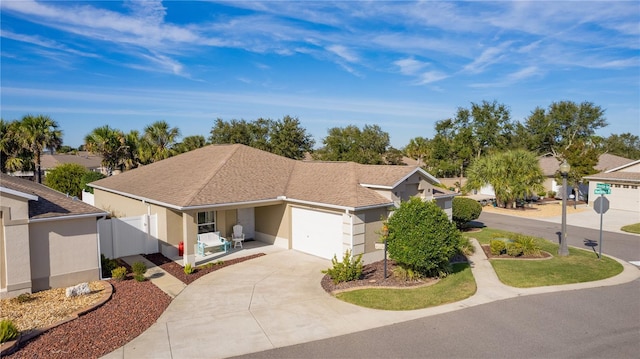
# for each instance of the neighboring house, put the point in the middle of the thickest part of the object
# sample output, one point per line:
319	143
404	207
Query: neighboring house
50	161
47	239
84	158
625	186
321	208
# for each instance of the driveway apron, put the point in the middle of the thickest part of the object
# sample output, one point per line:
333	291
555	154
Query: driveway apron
276	300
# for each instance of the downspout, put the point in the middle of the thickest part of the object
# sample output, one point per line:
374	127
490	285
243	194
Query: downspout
99	250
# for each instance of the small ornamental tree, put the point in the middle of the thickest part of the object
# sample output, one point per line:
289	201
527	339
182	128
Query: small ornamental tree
465	210
66	178
422	238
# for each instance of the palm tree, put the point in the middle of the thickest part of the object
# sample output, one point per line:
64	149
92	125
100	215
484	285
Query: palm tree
109	143
512	174
132	142
13	157
190	143
158	141
37	133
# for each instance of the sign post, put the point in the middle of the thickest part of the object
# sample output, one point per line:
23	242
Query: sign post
601	206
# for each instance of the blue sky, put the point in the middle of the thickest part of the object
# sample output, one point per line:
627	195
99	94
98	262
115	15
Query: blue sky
401	65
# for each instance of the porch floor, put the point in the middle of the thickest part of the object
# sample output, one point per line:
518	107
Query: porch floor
248	248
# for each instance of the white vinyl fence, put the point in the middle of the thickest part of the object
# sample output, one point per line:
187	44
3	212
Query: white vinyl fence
120	237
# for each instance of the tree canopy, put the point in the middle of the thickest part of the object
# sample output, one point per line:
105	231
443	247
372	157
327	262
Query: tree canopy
67	178
284	137
366	146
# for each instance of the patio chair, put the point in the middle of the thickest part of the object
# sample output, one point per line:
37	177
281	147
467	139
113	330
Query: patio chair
238	236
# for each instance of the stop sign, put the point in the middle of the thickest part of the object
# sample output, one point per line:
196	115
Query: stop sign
601	205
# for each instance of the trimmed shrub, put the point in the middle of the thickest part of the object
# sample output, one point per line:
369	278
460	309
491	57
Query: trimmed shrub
119	273
139	277
497	247
107	265
422	238
465	246
188	269
528	245
514	249
465	210
406	274
8	331
139	268
347	270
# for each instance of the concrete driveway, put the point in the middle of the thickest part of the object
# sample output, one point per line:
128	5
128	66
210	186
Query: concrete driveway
276	300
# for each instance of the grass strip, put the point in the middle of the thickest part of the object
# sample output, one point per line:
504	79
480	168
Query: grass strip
578	267
632	228
455	287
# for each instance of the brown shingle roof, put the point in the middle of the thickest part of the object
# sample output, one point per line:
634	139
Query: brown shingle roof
226	174
83	158
50	203
608	161
631	177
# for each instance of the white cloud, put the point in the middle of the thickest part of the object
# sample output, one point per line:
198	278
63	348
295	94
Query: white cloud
344	53
431	76
410	66
488	57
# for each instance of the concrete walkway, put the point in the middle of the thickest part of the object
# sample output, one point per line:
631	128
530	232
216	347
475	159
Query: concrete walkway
276	301
158	276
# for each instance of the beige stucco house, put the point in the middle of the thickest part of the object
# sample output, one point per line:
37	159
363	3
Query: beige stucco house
47	239
624	182
321	208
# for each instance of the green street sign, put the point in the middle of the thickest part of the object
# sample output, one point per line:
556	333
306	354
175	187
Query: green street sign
602	191
603	185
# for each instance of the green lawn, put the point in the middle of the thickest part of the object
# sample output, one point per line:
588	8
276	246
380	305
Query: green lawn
632	228
579	266
455	287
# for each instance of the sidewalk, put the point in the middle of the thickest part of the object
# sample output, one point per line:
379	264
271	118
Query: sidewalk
612	220
276	300
158	276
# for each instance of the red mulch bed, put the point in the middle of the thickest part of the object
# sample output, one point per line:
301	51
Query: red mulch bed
373	276
133	307
177	270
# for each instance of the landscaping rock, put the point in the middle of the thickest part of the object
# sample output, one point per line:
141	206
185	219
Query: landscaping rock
80	289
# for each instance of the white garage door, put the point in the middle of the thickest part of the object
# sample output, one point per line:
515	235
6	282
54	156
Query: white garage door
317	233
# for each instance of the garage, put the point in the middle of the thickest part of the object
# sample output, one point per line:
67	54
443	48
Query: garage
316	232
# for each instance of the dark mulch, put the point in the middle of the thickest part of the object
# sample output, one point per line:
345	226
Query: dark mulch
133	307
487	251
373	276
177	270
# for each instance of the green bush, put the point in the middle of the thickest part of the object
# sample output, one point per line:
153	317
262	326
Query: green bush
107	265
347	270
528	244
88	178
8	331
188	269
514	249
139	268
465	210
406	274
422	238
551	194
139	277
465	246
497	247
66	178
119	273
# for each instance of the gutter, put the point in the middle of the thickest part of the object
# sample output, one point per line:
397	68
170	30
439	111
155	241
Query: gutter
62	218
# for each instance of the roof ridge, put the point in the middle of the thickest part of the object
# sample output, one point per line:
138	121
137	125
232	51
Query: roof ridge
215	170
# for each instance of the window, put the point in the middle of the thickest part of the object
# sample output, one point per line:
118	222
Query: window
206	222
625	186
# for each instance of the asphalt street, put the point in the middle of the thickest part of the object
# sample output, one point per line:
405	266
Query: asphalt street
619	245
590	323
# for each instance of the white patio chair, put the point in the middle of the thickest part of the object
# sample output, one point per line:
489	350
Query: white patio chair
237	237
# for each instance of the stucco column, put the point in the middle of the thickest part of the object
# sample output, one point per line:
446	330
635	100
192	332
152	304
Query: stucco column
189	236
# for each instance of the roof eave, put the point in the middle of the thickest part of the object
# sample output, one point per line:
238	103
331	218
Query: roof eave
69	217
19	193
